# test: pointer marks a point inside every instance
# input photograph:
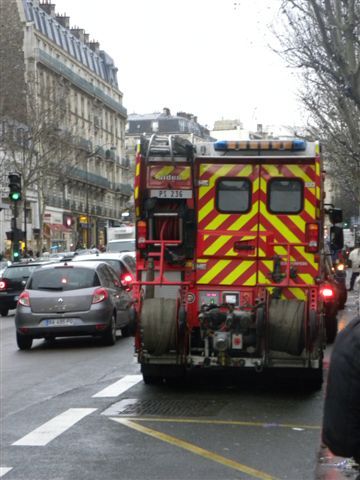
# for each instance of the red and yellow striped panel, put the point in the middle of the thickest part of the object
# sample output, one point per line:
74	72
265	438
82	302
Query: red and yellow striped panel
159	176
269	234
137	181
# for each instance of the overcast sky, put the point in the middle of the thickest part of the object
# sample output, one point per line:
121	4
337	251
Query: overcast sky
210	58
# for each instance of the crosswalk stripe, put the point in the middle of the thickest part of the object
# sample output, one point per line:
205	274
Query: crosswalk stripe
119	387
53	428
4	470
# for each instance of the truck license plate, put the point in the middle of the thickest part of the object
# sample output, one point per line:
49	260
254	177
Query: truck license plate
171	193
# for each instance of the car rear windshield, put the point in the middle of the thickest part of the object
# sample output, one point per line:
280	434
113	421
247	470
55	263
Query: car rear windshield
19	272
64	279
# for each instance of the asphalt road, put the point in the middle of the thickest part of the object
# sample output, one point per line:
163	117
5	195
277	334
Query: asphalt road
74	409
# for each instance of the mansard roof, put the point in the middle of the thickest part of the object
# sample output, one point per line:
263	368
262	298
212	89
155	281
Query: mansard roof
99	63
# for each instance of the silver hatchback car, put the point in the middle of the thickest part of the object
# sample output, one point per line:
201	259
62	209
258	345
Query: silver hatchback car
67	299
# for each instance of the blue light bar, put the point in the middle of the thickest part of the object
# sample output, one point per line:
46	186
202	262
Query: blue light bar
259	145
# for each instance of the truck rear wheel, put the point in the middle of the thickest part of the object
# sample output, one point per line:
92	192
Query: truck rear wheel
286	326
158	325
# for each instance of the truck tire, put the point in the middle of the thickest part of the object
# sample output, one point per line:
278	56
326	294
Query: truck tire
158	325
286	326
331	323
151	375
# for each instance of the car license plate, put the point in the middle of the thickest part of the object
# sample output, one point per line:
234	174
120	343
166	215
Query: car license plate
59	322
171	193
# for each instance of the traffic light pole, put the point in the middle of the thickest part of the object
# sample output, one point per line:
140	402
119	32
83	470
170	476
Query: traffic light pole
15	239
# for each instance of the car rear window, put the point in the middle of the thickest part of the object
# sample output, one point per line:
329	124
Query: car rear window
19	272
64	279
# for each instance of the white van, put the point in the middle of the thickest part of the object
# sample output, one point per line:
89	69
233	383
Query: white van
121	245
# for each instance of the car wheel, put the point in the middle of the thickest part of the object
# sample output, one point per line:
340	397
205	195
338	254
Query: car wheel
109	337
24	342
125	331
4	312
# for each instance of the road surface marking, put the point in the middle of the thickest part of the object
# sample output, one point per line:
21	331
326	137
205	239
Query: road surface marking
4	470
53	428
226	422
195	449
119	387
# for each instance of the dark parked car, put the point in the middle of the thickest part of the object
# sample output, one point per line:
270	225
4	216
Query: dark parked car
12	283
67	299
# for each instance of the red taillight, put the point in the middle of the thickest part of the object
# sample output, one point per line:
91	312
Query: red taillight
126	281
2	285
24	299
312	237
327	292
100	295
141	232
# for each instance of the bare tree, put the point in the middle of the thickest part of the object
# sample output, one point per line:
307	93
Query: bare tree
42	149
321	38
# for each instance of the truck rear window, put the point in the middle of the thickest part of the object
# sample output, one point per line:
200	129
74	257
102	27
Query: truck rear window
233	195
285	195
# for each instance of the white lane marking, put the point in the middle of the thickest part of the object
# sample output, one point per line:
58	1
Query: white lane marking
53	428
120	386
4	470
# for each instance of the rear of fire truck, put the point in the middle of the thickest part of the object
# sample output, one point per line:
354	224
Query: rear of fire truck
230	257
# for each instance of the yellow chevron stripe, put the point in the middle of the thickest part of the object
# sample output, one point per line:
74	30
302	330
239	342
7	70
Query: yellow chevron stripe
215	270
243	220
215	247
280	226
237	272
209	207
309	208
299	293
307	278
299	172
136	193
163	172
137	169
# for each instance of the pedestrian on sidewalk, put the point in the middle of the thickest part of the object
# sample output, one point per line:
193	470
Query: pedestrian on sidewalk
354	258
341	420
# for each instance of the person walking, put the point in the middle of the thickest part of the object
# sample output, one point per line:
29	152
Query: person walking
341	419
354	258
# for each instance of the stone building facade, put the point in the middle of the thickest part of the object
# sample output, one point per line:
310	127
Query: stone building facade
56	74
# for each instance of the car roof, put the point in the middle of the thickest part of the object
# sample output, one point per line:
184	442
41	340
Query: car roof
104	256
70	264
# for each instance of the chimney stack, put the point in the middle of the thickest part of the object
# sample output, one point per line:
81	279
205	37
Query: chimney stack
63	20
48	7
95	46
78	33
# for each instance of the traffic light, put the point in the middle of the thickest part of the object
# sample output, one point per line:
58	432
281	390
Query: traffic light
15	187
16	252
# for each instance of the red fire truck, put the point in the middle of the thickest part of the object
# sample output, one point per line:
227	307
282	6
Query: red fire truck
231	265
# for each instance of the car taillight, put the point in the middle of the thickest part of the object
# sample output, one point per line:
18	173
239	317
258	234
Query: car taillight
126	281
312	237
141	232
2	285
327	292
100	295
24	299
